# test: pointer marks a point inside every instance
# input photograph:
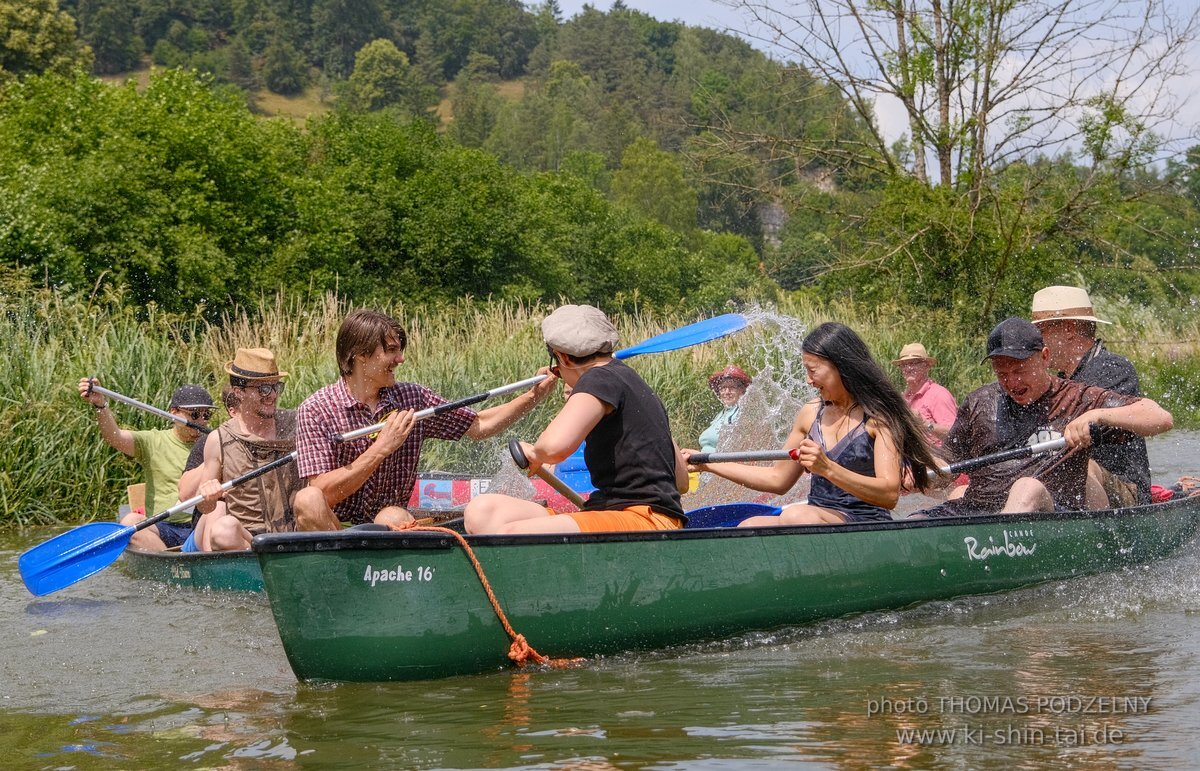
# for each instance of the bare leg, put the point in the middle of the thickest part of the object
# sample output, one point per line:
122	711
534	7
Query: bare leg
1028	494
312	512
797	514
393	516
495	513
145	539
1095	498
228	534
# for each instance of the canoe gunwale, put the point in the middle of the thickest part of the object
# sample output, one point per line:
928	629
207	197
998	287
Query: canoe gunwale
284	543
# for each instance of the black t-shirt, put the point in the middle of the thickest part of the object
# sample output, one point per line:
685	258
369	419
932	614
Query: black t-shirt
989	421
629	453
196	456
1123	453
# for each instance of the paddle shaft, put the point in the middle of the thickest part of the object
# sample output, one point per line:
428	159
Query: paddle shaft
1028	451
190	502
127	533
448	406
1052	445
518	456
148	408
692	334
743	457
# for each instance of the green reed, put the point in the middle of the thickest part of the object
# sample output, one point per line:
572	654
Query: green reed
55	467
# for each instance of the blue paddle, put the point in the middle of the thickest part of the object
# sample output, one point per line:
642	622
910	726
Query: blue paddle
684	337
729	514
88	549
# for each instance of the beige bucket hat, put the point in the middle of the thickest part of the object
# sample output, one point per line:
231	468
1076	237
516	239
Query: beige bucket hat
579	330
914	352
1056	303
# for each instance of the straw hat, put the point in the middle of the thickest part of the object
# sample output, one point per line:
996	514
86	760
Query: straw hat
254	364
1056	303
914	352
732	372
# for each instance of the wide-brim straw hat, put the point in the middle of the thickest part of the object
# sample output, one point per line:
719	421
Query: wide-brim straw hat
914	352
1063	303
254	364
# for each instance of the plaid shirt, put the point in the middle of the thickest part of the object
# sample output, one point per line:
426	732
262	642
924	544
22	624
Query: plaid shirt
333	410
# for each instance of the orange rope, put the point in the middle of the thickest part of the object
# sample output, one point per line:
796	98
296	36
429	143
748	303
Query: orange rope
520	651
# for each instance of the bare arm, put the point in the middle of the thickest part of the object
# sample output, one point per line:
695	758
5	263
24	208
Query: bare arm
682	482
120	439
340	483
1144	418
493	420
781	475
205	478
567	431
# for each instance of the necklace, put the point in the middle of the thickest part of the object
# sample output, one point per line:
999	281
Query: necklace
841	426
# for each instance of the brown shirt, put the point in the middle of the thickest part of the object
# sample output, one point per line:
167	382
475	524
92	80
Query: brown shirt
263	504
989	421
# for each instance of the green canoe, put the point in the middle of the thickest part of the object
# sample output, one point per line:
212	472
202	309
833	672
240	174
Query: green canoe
230	571
224	571
373	606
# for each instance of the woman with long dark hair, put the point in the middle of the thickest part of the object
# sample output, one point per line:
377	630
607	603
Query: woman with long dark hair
854	439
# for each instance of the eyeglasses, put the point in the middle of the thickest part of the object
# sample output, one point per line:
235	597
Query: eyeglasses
553	363
266	389
199	414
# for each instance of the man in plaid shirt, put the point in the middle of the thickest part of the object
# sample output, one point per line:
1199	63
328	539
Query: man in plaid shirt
371	478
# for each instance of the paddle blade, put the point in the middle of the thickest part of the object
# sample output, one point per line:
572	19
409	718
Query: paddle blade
729	514
72	556
692	334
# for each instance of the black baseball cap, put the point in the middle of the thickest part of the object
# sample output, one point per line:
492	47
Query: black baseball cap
1014	338
190	397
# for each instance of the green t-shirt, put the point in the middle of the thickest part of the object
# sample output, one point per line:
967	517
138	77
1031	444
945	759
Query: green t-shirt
162	456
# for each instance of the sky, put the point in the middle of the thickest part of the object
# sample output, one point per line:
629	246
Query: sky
709	13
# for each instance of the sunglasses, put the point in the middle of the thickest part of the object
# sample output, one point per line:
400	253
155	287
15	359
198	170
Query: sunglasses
199	414
266	389
553	363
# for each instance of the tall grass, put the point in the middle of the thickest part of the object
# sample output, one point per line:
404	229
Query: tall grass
55	467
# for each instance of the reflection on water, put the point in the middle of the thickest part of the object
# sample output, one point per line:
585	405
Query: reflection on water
119	673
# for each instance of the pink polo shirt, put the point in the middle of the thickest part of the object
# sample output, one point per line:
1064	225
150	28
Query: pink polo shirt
933	403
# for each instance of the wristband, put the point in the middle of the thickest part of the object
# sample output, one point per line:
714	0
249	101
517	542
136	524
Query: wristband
99	407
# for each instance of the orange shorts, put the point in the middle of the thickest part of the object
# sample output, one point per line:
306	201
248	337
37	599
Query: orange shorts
632	518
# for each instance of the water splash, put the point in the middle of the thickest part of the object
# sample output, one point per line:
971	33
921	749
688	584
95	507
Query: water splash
769	348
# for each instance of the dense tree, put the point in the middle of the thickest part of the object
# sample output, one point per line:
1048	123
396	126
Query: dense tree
341	28
114	44
283	69
651	182
37	37
179	196
989	88
382	77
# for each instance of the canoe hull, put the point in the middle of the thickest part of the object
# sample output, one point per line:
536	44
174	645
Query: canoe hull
230	571
402	606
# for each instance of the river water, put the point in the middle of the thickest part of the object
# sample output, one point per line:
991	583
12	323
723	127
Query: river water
1098	672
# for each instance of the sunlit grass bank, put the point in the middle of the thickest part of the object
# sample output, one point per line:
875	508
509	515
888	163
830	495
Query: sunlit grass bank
55	467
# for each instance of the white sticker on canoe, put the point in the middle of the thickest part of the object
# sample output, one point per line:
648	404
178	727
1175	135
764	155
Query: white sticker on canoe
397	574
1012	547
